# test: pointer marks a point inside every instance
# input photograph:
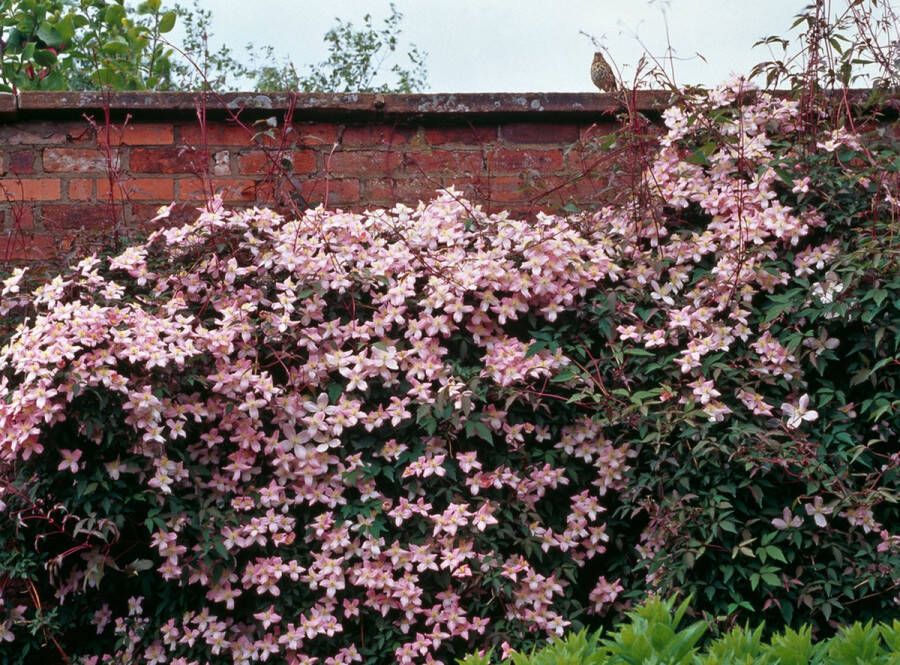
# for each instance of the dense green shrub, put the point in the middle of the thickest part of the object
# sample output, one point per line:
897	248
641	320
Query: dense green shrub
405	434
652	635
84	45
118	45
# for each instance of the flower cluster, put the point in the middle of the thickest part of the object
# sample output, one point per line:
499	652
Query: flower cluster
315	338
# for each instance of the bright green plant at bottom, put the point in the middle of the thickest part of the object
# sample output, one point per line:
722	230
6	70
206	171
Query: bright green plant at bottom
652	635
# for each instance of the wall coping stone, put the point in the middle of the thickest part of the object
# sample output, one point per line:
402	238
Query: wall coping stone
439	107
463	105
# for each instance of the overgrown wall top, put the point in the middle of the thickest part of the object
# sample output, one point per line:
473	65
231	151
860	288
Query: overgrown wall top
79	168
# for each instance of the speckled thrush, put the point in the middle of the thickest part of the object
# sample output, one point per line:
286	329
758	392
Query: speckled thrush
602	74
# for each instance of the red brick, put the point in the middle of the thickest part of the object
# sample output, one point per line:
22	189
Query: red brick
139	189
304	161
21	162
217	133
374	136
233	189
539	132
363	162
475	190
388	191
260	162
584	188
506	189
137	134
76	160
29	247
445	161
42	133
313	134
141	214
597	130
510	160
166	160
79	215
474	135
340	192
38	189
81	189
20	218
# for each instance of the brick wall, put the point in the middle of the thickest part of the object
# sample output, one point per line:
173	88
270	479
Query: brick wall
77	169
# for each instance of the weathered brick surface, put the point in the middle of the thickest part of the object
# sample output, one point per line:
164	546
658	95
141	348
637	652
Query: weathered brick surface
41	132
255	162
313	134
138	189
77	216
520	152
28	246
78	160
468	135
137	134
513	160
215	134
182	159
378	135
81	189
20	162
140	214
36	189
233	190
385	192
362	162
332	192
19	218
530	132
461	163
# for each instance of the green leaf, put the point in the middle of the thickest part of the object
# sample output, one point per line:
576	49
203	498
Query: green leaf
483	432
116	46
114	15
564	375
770	579
536	347
167	22
697	157
44	57
221	549
49	35
776	553
334	390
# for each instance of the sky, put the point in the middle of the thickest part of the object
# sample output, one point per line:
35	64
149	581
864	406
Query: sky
525	45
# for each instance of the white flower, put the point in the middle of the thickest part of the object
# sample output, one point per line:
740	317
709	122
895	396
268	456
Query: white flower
69	460
797	414
163	212
818	511
11	284
787	520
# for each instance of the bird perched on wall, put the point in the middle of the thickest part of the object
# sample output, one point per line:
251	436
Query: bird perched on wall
602	74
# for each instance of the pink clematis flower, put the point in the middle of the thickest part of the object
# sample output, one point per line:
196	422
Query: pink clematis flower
69	460
800	413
